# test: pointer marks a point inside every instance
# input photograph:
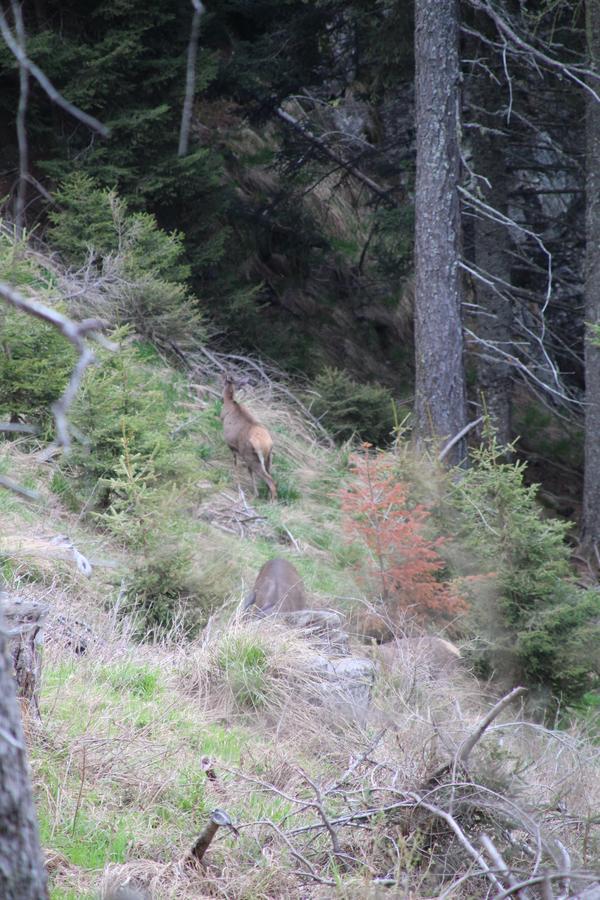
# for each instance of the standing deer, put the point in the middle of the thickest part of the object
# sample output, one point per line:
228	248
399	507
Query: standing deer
278	589
247	438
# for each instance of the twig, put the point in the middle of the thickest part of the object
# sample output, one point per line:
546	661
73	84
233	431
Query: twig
468	745
335	157
457	438
80	794
319	807
21	129
522	45
540	879
76	333
11	485
462	838
357	762
45	83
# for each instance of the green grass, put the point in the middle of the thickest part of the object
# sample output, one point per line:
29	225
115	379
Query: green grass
140	681
86	842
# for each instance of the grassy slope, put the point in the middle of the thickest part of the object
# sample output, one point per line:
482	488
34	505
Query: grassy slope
117	758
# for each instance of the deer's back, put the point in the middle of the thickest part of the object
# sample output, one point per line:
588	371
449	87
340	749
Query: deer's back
430	653
278	588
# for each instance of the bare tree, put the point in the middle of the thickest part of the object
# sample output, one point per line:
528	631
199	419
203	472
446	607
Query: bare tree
440	406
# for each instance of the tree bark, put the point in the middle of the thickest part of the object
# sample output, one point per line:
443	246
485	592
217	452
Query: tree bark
440	406
591	486
22	872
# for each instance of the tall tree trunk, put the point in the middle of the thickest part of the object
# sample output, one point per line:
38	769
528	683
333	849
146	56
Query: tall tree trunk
440	408
22	873
591	486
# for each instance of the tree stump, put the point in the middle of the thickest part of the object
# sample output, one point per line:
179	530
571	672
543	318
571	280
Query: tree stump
24	620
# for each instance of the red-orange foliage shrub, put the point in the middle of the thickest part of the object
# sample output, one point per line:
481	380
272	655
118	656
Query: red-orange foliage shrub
404	562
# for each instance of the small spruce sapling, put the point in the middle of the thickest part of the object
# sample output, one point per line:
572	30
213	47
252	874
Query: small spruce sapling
405	564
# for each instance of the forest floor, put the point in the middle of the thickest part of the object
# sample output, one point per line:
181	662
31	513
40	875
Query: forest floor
138	741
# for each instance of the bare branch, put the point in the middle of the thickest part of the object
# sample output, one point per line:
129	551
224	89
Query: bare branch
190	78
335	157
76	333
467	746
45	82
21	129
462	838
573	73
451	443
16	488
19	427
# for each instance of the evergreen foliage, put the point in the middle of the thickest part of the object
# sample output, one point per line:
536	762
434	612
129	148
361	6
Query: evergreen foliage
126	399
140	268
348	409
35	365
35	360
539	627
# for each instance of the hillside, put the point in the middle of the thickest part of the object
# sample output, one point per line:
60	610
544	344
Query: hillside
159	703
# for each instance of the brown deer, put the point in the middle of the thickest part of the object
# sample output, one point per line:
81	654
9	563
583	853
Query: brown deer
278	589
247	438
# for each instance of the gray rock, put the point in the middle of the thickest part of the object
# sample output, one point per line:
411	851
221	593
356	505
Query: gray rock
345	683
324	627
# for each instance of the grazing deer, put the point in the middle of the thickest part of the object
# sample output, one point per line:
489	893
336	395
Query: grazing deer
436	655
278	589
248	439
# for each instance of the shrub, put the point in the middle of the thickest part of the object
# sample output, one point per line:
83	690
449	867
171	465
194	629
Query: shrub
538	626
124	398
404	563
141	269
159	591
35	365
35	360
347	408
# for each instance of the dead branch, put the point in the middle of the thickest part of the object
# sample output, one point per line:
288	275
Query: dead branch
335	157
190	78
17	488
321	811
76	333
446	450
462	838
544	877
573	73
500	864
19	427
21	116
468	745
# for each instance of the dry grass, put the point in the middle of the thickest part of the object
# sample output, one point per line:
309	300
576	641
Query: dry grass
138	743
